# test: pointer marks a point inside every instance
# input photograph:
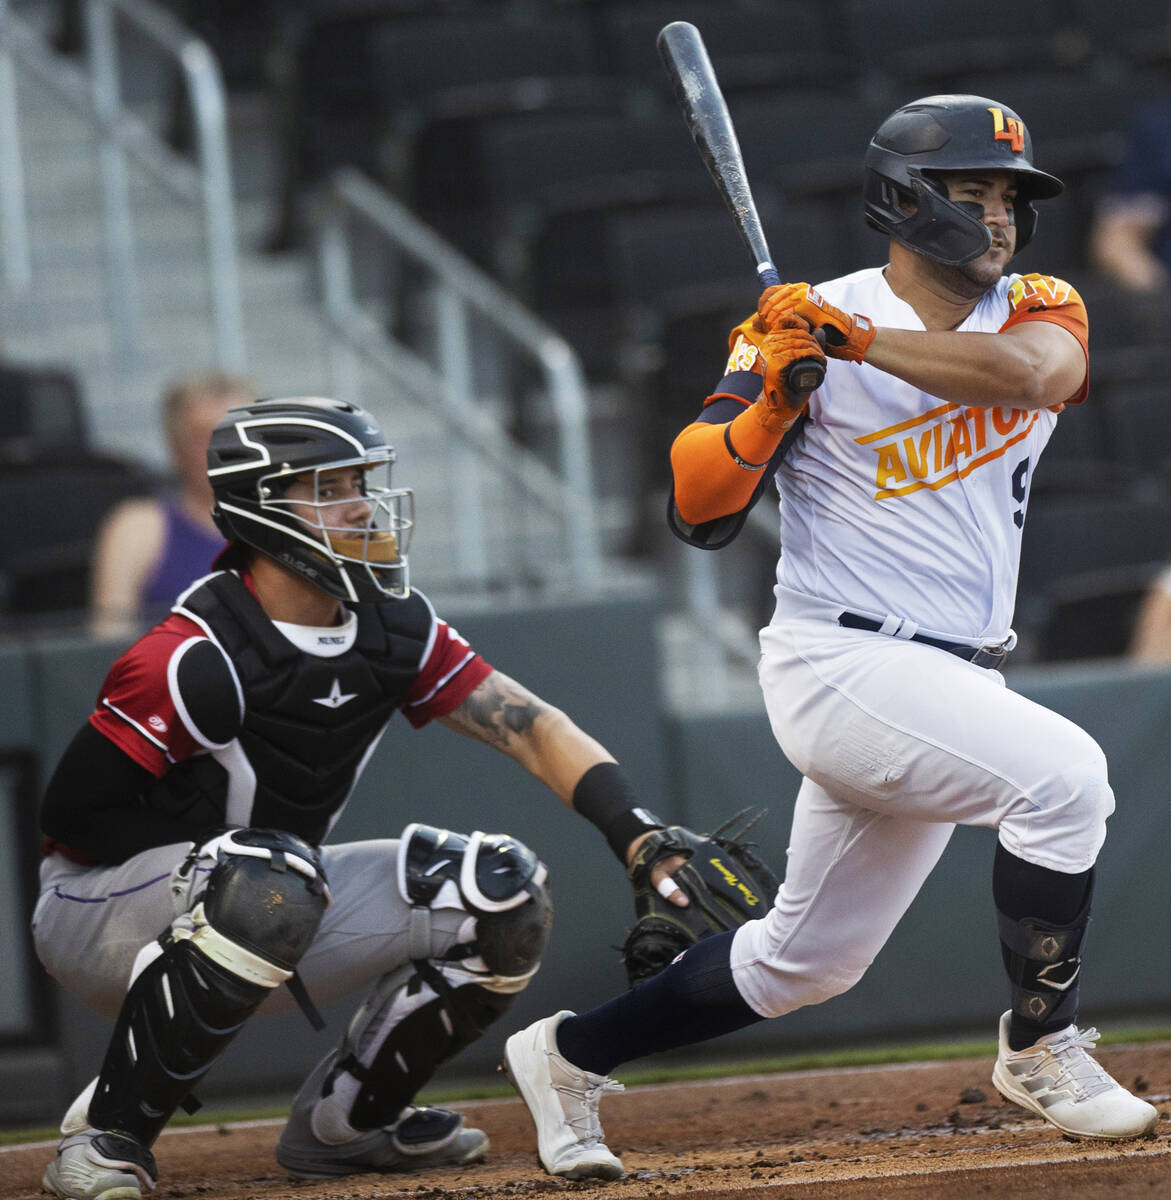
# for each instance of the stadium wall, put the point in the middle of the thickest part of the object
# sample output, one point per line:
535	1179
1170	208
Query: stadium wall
939	975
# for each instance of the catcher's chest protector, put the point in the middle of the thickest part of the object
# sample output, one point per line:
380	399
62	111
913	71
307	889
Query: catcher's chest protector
309	722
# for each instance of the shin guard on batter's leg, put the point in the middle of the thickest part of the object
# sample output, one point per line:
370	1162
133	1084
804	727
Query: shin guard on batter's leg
1044	968
1042	915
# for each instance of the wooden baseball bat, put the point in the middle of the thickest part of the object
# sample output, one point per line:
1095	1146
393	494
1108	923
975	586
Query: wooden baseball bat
698	94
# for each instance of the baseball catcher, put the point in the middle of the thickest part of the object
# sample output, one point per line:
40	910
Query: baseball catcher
725	882
189	878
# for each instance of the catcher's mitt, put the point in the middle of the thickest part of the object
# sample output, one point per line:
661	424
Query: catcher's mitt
725	881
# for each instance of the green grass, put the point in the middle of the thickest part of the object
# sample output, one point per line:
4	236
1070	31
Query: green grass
822	1060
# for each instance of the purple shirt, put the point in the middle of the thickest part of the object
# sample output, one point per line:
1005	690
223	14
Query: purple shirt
187	554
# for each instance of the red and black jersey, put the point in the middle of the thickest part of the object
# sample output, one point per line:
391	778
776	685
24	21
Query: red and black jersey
238	725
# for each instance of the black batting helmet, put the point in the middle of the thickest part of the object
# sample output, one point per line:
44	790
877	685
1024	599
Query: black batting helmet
949	133
259	449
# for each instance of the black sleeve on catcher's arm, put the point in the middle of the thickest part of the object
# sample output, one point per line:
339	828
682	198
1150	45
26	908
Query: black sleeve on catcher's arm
94	804
716	534
605	797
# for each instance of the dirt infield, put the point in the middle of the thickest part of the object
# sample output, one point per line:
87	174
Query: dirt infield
925	1130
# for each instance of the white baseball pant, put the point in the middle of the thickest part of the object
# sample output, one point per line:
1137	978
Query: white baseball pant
898	743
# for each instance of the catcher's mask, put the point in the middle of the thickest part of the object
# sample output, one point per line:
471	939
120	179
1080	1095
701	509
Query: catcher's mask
949	133
307	482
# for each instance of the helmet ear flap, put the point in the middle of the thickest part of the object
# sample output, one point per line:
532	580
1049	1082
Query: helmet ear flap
924	219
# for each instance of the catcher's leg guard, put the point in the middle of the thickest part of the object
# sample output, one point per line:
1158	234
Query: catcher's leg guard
193	989
439	1027
421	1015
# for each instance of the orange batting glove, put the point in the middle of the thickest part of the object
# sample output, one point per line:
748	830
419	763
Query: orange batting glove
846	337
787	342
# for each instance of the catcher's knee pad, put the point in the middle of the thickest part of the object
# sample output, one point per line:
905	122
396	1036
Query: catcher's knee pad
194	987
430	1009
266	894
494	878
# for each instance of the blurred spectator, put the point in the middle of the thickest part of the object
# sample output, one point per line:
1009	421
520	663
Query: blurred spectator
1131	238
149	548
1151	642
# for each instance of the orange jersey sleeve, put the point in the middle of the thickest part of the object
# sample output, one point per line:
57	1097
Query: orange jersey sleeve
1046	298
709	483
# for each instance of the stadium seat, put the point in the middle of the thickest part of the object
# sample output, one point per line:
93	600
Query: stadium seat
1092	614
1078	458
922	45
1064	535
58	502
365	79
1059	246
804	143
667	263
41	409
1075	119
1140	427
1140	34
753	44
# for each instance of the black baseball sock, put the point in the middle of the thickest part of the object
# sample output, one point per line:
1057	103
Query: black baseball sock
694	999
1042	915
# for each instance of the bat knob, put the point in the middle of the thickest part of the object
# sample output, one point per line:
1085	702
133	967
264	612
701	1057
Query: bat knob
804	376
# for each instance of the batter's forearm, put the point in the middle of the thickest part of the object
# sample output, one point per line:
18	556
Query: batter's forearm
984	370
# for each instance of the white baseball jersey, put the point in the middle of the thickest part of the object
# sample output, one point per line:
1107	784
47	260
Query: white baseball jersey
896	503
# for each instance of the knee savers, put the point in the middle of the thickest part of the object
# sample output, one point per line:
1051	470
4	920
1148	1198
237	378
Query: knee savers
194	987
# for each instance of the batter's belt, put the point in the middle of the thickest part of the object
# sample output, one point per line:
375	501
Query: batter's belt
980	656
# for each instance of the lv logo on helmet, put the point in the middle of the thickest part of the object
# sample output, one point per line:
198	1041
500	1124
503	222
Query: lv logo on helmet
1011	131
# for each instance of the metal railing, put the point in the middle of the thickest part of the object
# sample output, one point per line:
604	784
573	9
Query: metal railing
14	252
460	293
122	135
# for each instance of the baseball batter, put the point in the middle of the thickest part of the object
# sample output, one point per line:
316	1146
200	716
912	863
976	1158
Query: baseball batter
186	883
904	483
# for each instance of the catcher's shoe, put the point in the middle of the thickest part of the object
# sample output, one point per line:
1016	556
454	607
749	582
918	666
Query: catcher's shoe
422	1138
96	1165
563	1102
1057	1079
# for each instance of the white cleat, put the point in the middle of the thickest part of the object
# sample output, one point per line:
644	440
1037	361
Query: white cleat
1057	1079
95	1165
563	1102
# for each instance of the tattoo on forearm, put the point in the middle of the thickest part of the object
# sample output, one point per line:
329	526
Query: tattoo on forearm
494	713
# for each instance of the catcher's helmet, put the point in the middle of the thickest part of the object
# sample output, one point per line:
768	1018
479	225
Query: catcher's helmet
948	133
258	450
